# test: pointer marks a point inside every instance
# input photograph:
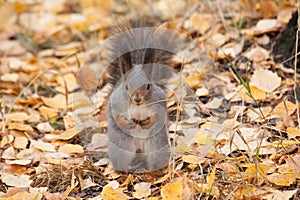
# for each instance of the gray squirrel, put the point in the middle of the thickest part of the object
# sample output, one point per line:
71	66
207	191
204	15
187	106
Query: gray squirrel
137	108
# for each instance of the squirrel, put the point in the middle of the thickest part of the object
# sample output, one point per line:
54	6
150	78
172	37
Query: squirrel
137	108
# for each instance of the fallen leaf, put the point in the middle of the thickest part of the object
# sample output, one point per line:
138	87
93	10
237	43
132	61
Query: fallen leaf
211	178
172	191
281	179
57	102
111	193
45	127
18	116
192	159
20	142
293	132
71	149
43	146
47	112
20	127
265	80
16	181
264	25
283	108
257	94
66	135
142	190
9	153
281	195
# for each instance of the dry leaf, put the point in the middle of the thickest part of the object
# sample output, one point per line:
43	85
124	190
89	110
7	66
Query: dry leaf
257	94
142	190
201	22
283	108
9	153
20	127
258	171
281	195
192	159
172	191
18	116
264	25
265	80
71	149
111	193
293	132
45	127
211	178
47	112
66	135
281	179
20	142
43	146
16	181
57	102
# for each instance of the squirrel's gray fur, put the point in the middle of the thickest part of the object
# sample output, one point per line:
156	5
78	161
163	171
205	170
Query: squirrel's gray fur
137	110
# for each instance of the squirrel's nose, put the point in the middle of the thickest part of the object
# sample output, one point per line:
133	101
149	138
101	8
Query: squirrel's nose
137	99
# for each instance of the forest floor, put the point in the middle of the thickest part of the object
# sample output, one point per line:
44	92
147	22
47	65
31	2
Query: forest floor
237	139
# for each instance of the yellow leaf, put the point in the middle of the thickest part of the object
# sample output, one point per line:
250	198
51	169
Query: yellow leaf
195	80
211	178
293	132
258	171
281	179
20	7
192	159
204	188
283	143
20	127
283	108
128	180
172	191
108	193
257	94
71	149
47	112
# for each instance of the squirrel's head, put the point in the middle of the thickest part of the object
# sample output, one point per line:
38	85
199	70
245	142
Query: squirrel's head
140	95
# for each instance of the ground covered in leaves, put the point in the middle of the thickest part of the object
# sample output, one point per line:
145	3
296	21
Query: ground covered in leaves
239	67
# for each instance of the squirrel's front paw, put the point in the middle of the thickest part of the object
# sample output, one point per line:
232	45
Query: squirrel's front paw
146	123
125	123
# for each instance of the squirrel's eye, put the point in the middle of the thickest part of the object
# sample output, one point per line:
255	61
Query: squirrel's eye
126	87
148	86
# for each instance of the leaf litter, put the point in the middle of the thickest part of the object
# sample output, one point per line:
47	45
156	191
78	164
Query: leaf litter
246	142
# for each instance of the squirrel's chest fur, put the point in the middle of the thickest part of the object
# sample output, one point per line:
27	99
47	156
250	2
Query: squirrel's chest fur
139	112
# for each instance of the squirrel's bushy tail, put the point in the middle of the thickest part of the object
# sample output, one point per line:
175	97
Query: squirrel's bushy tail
139	42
